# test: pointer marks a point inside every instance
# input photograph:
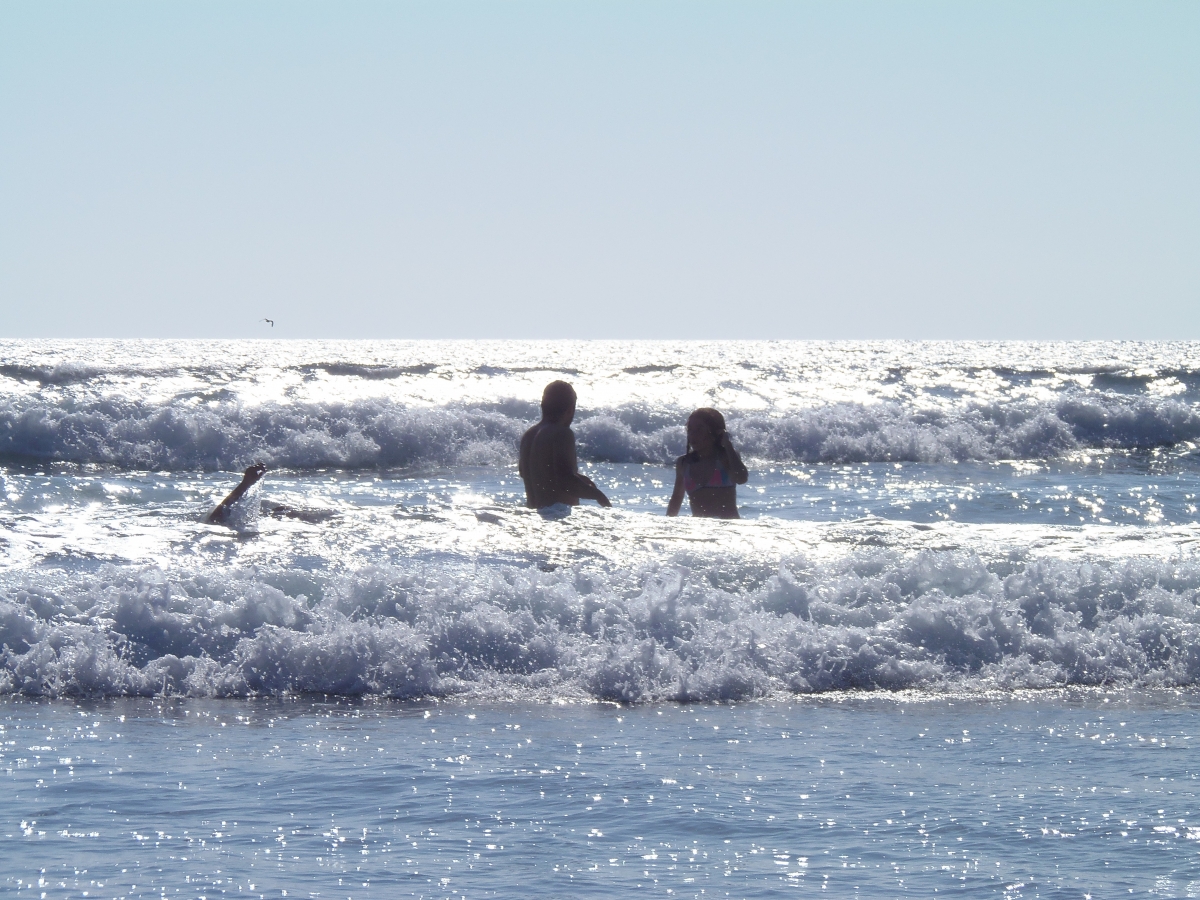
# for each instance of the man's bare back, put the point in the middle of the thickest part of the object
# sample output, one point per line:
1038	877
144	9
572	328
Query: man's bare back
547	462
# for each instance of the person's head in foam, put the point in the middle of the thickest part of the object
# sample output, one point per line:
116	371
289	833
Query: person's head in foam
558	403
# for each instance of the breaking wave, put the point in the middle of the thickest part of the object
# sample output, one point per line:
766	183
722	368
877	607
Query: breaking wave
221	434
877	620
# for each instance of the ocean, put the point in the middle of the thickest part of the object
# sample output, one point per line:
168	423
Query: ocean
950	647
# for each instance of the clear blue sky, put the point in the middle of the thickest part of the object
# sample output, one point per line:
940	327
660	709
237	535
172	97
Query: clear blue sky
628	170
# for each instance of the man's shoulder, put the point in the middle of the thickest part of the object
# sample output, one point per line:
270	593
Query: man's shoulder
538	430
551	431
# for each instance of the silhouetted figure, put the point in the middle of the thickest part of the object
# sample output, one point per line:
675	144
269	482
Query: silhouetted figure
220	515
547	463
710	470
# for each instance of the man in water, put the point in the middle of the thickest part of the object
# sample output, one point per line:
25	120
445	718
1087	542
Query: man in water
547	462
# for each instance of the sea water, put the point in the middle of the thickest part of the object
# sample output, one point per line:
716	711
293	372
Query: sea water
950	646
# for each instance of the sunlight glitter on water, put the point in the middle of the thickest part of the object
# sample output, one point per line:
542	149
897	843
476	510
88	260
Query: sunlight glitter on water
1033	795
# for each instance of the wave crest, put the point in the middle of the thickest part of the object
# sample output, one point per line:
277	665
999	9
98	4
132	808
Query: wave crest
226	435
877	620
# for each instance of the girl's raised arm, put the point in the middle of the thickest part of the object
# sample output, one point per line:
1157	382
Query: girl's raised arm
676	495
733	460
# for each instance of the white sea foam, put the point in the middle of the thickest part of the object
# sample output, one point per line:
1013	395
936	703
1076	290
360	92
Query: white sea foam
886	620
378	433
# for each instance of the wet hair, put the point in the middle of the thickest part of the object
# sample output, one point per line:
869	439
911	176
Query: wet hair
712	419
557	398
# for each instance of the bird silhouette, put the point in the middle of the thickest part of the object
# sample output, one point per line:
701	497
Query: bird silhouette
270	322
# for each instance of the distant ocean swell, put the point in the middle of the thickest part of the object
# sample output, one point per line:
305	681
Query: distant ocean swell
879	619
1120	377
213	434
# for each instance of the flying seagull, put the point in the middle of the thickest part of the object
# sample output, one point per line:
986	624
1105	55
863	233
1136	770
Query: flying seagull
270	322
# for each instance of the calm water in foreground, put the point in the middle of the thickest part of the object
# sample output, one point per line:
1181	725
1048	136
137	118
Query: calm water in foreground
1035	795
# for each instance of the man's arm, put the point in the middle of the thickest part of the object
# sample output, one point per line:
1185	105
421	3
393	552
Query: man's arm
589	491
567	471
523	454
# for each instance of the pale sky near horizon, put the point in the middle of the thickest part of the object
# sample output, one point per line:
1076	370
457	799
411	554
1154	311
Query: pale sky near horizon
985	170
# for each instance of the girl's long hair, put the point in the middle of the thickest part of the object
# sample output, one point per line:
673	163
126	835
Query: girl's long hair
712	419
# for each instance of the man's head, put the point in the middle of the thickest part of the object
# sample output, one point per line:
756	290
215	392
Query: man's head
558	403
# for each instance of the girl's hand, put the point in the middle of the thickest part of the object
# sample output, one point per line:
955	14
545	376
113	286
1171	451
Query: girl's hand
736	467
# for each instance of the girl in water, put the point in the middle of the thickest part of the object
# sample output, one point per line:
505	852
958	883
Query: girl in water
710	470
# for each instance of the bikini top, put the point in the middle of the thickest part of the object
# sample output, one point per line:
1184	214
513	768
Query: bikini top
718	477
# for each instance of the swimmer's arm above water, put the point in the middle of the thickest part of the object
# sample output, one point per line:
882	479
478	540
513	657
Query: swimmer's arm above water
249	478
